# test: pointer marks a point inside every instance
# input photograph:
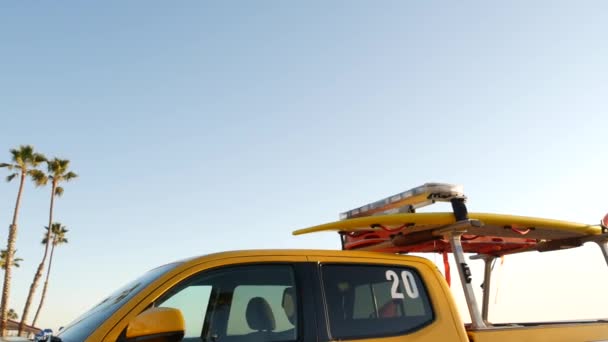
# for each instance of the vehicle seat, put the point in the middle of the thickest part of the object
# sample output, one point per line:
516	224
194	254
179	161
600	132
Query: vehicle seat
391	309
259	315
289	304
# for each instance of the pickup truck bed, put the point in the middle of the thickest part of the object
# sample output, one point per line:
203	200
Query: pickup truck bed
540	332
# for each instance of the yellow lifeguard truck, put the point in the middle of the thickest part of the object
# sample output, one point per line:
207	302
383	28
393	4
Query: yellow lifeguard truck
371	290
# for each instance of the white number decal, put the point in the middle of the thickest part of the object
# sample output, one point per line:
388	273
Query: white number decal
409	283
391	275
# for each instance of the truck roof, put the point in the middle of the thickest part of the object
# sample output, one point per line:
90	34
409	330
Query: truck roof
312	253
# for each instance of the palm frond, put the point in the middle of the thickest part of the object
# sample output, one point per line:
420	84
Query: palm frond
59	240
11	314
16	156
57	166
25	156
26	150
52	165
57	234
69	176
11	167
39	177
46	234
38	158
16	262
11	176
65	163
58	191
3	257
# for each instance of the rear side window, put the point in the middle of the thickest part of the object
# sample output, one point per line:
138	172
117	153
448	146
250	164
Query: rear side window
374	301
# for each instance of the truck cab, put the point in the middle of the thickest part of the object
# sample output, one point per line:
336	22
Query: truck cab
278	295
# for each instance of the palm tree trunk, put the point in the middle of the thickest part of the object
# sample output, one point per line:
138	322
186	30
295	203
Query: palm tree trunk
46	284
10	251
40	268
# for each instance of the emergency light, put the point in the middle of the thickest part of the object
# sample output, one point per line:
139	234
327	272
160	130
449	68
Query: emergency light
408	201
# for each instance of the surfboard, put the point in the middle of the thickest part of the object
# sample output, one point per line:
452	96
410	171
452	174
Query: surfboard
414	232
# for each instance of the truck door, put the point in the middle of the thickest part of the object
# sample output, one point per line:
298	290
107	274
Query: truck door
386	302
244	303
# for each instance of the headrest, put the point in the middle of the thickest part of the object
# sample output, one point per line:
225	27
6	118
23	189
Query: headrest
259	315
289	304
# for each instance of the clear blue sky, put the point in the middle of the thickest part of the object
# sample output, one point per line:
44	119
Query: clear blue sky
204	126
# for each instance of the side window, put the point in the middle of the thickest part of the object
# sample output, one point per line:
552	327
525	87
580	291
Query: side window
192	301
374	301
245	303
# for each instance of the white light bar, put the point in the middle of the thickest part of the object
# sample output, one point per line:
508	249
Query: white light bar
408	201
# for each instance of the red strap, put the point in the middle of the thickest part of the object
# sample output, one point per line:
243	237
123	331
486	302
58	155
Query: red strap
385	228
520	231
446	267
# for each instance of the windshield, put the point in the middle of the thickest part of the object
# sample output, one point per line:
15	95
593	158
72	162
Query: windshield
84	325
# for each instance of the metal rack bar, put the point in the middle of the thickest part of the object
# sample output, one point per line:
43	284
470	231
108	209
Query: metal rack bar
487	278
465	278
604	247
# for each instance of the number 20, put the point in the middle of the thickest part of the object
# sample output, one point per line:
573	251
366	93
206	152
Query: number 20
409	283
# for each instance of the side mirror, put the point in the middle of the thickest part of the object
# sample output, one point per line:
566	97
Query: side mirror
157	325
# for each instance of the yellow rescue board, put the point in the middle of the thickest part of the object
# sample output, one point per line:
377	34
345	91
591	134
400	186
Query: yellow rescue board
430	221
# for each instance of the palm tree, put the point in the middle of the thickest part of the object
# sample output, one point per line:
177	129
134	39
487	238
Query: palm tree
57	173
58	238
24	163
3	257
12	315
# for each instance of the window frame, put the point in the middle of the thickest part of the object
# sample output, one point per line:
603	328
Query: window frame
325	306
300	272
